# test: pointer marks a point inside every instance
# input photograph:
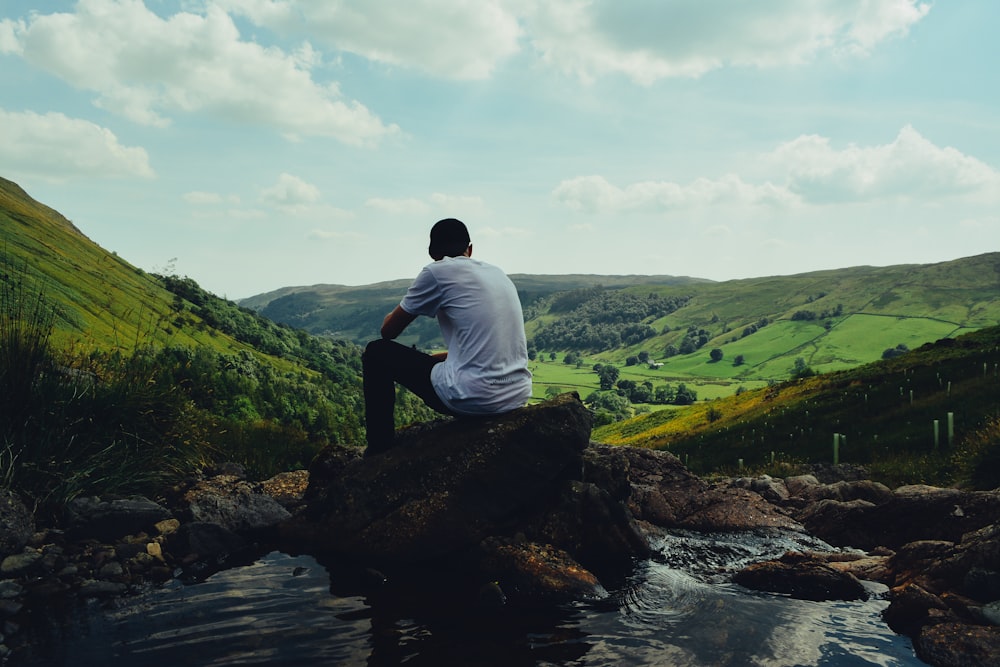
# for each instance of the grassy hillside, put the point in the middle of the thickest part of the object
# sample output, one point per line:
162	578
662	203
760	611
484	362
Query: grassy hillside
114	381
884	413
832	320
356	313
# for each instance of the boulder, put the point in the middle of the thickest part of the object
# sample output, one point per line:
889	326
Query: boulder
444	487
537	572
660	491
234	503
801	577
958	644
911	513
91	517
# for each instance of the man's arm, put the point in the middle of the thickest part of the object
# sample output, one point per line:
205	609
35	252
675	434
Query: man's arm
395	322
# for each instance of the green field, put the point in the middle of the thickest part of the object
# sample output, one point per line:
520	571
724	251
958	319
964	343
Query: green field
583	380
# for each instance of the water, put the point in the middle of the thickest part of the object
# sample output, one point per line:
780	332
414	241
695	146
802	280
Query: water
291	610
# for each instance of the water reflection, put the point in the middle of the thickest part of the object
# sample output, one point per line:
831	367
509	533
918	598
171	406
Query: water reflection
292	610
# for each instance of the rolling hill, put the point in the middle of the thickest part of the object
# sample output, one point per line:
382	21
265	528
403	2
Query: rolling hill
931	416
831	320
115	380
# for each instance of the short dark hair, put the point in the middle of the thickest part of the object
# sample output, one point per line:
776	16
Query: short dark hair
449	238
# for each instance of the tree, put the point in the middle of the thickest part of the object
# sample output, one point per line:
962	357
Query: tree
643	357
664	394
739	360
801	369
684	396
716	354
893	352
608	375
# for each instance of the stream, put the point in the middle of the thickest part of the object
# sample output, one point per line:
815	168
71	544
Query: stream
678	609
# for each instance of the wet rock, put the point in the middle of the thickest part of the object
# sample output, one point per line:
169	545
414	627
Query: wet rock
16	523
234	503
588	522
801	577
537	572
107	520
865	566
958	645
910	609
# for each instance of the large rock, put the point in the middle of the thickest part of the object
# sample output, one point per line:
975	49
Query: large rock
958	645
802	577
445	487
92	517
911	513
235	504
660	491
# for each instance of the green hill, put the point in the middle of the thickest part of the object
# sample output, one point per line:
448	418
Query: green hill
764	328
115	380
356	312
931	415
831	319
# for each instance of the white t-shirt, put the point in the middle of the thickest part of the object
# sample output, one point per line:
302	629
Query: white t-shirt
480	316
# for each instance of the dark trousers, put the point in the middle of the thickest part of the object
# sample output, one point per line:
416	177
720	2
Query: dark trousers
384	363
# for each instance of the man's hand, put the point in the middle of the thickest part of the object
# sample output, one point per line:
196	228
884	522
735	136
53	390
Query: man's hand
395	322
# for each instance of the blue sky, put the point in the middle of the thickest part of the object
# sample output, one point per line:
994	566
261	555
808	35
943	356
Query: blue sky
257	144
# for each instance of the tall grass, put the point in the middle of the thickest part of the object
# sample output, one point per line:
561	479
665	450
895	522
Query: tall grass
79	424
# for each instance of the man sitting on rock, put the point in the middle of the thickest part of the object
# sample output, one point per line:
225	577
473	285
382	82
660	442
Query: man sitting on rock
485	368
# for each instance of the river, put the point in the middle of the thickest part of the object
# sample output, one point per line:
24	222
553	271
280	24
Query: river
678	609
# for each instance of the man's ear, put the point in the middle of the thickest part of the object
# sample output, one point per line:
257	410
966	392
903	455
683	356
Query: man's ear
468	251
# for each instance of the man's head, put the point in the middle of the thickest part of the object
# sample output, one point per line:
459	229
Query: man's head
449	238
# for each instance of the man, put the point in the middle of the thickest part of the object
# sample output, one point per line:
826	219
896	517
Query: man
485	368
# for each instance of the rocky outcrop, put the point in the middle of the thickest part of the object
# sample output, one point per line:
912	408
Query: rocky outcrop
937	549
448	487
660	492
529	477
908	514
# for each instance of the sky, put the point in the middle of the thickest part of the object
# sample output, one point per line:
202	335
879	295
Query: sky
257	144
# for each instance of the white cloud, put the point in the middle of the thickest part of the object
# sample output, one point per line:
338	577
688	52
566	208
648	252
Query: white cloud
460	39
55	147
910	167
410	206
146	68
291	193
647	41
813	172
594	194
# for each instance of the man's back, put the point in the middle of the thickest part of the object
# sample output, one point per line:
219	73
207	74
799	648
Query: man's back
481	321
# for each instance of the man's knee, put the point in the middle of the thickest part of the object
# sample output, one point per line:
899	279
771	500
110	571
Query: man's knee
375	351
